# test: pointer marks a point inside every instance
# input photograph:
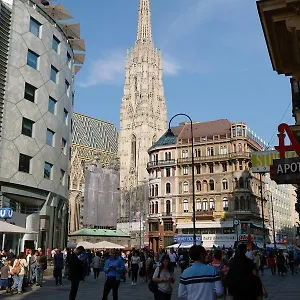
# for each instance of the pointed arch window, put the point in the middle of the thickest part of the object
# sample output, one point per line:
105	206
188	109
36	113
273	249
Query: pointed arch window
204	183
211	185
168	207
198	205
168	188
156	190
133	150
198	186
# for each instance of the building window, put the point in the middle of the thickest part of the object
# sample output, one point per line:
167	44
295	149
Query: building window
211	168
63	146
225	184
168	172
241	182
242	203
185	187
211	185
168	156
34	27
62	177
168	188
185	206
66	116
49	137
204	205
210	151
156	207
234	148
55	43
185	153
32	59
197	153
248	203
198	169
239	131
48	171
236	203
53	74
240	147
29	92
240	165
198	186
211	204
156	190
224	167
27	127
24	163
168	207
204	183
168	226
198	205
185	170
69	60
67	88
52	105
225	204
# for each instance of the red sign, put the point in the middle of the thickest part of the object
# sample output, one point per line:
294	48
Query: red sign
284	129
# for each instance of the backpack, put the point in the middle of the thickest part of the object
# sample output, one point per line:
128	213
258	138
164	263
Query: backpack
17	267
153	286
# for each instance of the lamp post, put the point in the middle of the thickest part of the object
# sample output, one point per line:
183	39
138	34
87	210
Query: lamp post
170	133
262	209
273	220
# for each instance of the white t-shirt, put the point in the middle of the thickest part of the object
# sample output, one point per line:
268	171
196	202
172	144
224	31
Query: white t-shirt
135	260
172	257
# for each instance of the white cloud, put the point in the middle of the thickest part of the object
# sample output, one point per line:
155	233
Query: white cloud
110	69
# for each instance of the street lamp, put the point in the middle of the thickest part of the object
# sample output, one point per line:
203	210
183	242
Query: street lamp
170	134
273	221
262	209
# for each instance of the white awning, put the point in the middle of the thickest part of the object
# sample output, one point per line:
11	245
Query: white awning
225	224
86	245
107	245
13	229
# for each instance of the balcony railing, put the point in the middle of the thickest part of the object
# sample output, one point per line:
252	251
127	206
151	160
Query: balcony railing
161	163
205	213
211	158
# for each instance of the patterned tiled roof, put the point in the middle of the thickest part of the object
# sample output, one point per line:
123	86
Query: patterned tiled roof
93	133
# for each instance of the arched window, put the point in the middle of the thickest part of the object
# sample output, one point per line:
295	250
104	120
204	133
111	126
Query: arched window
242	203
211	185
240	147
198	186
156	190
156	207
204	205
185	206
204	183
150	208
225	204
211	204
185	186
241	182
246	183
224	184
236	203
153	207
168	207
198	205
168	188
236	183
248	203
133	150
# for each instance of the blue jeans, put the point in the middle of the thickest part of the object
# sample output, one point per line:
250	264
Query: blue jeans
39	274
18	282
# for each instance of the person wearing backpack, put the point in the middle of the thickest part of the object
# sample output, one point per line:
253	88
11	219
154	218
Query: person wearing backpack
19	271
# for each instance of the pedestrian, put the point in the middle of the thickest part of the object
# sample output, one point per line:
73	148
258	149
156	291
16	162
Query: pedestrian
135	265
76	271
19	271
41	266
163	276
5	272
200	281
291	262
173	259
96	264
281	263
113	269
272	263
58	265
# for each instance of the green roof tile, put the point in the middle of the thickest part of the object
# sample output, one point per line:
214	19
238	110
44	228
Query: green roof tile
98	232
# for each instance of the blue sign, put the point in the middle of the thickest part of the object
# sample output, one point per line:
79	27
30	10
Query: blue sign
181	239
6	213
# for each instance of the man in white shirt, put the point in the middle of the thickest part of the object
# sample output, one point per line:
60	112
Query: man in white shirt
200	282
173	257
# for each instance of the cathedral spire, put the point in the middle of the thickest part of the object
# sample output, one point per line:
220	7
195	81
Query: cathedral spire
144	32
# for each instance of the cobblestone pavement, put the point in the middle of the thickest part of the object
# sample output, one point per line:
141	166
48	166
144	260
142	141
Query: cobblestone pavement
279	288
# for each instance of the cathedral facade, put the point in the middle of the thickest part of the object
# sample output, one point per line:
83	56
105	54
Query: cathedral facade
143	115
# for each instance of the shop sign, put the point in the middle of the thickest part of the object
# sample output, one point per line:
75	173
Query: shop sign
247	237
218	237
286	170
180	239
6	213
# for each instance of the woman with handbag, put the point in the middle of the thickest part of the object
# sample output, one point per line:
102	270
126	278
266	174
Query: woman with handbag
163	276
19	271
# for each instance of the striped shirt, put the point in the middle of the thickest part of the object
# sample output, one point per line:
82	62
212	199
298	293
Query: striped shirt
200	282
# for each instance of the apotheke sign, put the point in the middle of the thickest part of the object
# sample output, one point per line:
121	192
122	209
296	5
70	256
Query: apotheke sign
286	170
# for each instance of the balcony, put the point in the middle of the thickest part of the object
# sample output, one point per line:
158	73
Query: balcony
206	214
214	158
161	163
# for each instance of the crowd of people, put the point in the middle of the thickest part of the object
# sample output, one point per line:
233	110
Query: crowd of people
204	274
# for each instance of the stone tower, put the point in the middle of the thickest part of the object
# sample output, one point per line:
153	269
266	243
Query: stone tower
143	115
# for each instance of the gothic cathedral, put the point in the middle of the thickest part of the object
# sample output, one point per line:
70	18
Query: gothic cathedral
143	114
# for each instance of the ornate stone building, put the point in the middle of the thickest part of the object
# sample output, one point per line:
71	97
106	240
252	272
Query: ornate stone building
143	114
92	140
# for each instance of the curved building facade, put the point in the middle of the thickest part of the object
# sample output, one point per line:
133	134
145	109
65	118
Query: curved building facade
36	99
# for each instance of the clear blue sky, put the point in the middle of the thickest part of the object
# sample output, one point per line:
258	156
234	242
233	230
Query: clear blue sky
216	64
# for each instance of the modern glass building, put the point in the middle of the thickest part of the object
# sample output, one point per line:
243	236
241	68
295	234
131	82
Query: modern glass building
39	57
